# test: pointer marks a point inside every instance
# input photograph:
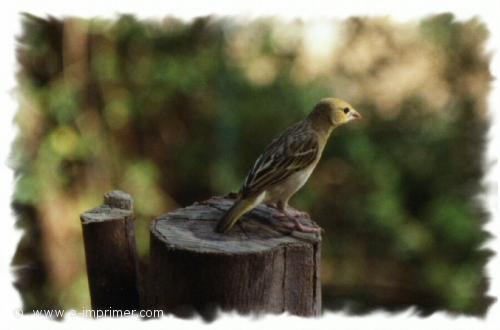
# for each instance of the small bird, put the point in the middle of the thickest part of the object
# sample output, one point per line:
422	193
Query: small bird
286	164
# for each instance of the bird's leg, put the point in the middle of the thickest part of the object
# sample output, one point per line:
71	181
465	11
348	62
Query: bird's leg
272	205
286	214
281	213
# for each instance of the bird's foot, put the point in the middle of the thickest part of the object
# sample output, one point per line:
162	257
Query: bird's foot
298	214
302	228
289	212
294	215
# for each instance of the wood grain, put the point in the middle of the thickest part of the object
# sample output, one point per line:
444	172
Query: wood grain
260	266
110	253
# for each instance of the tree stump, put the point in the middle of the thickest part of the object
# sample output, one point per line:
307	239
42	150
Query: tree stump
110	253
259	266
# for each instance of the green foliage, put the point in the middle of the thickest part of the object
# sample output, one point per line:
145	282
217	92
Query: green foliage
175	112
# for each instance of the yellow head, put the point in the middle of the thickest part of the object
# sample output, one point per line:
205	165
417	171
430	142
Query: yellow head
335	111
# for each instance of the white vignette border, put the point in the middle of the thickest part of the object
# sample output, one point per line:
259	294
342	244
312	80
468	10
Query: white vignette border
487	11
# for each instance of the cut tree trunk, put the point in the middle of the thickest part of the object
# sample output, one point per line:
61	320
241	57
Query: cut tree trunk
260	266
110	253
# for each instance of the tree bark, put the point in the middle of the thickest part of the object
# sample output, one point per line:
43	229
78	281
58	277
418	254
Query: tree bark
259	266
110	253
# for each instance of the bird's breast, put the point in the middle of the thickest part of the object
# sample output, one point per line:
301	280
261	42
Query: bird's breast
285	189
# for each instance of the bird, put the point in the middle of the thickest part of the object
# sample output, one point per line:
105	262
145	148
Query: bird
287	163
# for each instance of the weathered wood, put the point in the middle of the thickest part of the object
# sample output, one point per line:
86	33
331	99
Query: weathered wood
110	252
259	266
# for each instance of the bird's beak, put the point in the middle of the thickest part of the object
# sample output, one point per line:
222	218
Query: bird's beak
356	115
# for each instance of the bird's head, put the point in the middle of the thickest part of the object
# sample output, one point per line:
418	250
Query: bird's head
335	111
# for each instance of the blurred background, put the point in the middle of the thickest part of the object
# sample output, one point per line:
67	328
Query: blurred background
174	112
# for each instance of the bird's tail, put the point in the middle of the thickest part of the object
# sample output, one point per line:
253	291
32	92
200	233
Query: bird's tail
240	207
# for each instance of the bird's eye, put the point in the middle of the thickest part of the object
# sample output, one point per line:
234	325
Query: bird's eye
346	110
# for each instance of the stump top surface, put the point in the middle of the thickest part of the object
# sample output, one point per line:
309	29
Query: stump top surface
192	228
119	199
117	205
104	213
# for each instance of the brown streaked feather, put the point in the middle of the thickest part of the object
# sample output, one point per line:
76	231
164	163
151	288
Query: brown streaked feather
295	149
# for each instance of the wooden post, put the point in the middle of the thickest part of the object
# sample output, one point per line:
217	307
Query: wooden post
259	266
110	252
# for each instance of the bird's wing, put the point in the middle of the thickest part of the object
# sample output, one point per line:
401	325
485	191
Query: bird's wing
295	149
